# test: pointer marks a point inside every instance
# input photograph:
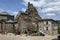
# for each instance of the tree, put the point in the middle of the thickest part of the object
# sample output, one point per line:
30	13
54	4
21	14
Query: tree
58	29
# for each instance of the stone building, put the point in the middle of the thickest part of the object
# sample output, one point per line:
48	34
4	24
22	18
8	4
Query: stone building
29	22
48	26
6	23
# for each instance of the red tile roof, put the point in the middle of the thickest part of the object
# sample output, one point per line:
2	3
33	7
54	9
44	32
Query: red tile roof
45	19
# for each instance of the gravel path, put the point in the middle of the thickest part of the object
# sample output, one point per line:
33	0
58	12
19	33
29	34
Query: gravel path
19	37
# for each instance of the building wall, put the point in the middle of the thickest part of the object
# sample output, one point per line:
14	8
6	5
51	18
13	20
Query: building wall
3	17
47	28
55	28
25	23
6	27
9	27
0	26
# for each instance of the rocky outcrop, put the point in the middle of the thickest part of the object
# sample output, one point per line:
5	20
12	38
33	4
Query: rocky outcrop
32	11
28	21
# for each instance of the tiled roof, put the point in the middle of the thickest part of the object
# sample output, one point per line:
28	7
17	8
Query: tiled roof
45	19
10	21
4	13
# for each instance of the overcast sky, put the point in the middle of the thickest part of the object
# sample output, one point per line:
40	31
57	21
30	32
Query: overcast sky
46	8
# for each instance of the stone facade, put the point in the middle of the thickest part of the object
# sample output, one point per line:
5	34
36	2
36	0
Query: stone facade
48	26
6	22
27	21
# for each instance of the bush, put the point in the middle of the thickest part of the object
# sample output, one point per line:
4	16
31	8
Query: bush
58	29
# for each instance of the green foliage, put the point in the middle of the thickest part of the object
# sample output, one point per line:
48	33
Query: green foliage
59	29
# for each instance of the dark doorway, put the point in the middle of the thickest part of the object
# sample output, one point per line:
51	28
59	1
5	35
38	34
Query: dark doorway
18	33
